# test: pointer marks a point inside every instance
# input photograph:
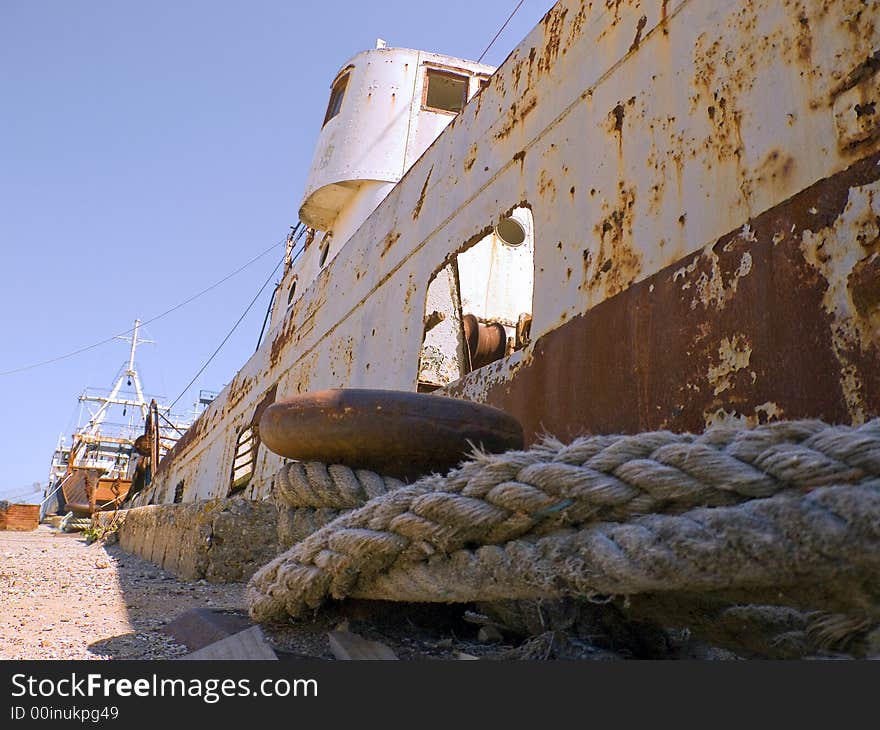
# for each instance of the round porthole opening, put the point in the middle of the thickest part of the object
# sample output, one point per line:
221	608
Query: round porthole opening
511	232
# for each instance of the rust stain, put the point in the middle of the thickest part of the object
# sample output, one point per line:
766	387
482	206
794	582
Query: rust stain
516	114
471	158
302	314
192	435
390	239
776	168
804	40
617	260
546	187
577	22
643	21
618	113
516	71
240	386
553	23
616	5
786	338
421	201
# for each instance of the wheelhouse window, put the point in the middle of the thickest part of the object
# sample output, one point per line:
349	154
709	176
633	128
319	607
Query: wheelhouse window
336	96
445	91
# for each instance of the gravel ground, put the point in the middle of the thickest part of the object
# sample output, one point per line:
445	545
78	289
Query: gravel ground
63	599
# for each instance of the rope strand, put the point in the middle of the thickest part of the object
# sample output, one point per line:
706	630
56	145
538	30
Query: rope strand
478	530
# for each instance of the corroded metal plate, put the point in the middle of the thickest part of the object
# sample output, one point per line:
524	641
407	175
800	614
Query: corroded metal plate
396	433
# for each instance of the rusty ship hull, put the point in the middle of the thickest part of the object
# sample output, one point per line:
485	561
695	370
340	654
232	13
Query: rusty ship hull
704	185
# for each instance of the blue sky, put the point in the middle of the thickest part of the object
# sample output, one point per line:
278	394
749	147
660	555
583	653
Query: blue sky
147	150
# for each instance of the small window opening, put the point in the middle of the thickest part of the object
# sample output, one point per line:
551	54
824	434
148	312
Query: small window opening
511	232
178	492
445	91
325	249
291	293
243	463
336	96
478	308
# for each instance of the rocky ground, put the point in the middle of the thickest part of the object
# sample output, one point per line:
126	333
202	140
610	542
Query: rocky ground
64	599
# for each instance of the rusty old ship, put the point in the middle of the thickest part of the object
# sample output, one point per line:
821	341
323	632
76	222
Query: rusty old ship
653	215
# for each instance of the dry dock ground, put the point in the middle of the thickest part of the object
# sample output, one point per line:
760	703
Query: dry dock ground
63	599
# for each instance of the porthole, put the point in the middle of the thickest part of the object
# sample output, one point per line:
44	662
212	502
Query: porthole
511	232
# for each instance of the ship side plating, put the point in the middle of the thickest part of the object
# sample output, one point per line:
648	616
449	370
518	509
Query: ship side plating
703	188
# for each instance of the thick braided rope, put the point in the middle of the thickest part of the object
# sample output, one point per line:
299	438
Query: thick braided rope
313	484
830	534
311	494
499	498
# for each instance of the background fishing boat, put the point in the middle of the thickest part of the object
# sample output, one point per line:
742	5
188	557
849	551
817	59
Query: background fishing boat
95	472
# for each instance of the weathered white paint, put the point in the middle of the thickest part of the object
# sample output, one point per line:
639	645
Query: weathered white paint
497	279
380	130
600	121
443	350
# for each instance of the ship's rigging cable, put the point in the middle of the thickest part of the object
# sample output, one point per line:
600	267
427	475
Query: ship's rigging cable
129	331
500	30
228	334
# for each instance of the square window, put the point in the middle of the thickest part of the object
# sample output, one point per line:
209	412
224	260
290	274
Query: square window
445	91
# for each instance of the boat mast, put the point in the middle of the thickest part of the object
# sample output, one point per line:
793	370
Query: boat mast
113	399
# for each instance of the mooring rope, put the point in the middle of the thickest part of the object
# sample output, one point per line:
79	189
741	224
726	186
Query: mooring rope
656	511
313	484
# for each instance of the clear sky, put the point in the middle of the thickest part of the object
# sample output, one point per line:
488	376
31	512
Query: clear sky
147	150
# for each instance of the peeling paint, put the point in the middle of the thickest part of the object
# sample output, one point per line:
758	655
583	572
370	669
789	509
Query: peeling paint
831	251
713	250
734	354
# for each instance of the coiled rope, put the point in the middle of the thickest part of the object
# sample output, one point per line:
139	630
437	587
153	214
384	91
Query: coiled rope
779	504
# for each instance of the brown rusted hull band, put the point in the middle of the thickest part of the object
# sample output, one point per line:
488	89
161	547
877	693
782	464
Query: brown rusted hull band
747	329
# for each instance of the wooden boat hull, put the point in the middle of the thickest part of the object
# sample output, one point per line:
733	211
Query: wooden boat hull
86	491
